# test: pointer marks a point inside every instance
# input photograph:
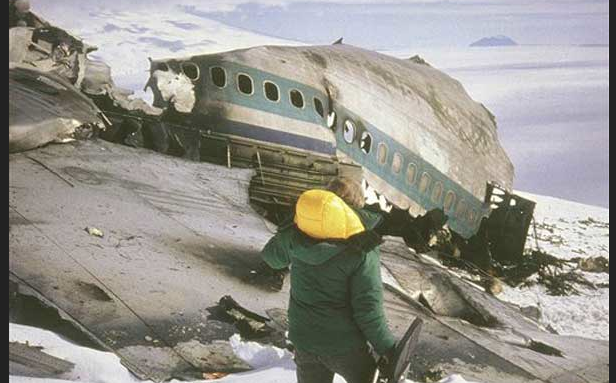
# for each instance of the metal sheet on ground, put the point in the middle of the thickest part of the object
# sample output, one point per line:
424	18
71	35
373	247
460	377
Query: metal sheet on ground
177	236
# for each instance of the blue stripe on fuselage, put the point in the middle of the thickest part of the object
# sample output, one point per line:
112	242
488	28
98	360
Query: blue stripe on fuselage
261	133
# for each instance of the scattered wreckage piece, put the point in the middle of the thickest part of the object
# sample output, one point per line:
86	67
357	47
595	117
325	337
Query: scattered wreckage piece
144	289
147	288
466	325
26	360
44	107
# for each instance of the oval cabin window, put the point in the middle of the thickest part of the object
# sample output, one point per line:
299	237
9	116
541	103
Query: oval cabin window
424	182
396	163
271	91
219	76
450	199
411	172
349	131
244	84
297	99
381	154
191	70
318	107
365	144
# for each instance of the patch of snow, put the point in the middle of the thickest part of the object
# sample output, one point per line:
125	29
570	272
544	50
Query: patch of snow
271	364
567	230
90	365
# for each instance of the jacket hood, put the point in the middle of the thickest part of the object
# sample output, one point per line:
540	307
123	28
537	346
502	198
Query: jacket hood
318	251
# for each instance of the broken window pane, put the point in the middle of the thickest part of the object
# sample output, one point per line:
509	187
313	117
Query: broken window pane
349	131
244	83
424	182
297	99
271	91
191	70
450	199
318	106
381	155
219	76
365	144
396	163
411	171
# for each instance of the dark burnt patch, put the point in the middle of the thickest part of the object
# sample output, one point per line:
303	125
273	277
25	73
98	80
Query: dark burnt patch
315	58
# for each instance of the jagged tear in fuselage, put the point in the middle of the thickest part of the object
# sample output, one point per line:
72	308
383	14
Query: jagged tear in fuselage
420	139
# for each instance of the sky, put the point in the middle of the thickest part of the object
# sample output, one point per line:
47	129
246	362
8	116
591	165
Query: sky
550	95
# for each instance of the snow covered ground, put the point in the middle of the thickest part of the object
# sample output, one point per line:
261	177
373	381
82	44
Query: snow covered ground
271	364
567	230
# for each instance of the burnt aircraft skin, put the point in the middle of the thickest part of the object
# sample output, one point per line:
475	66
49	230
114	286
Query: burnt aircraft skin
421	140
179	235
47	69
44	107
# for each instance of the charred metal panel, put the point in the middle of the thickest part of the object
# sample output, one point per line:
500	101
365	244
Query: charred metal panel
44	107
508	224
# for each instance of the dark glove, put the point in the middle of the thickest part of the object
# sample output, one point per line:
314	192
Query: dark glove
266	276
386	363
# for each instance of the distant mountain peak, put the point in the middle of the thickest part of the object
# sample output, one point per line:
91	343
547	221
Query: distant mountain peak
494	41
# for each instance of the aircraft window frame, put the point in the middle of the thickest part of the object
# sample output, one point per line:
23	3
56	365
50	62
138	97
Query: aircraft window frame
365	135
400	163
277	91
317	101
437	193
190	63
425	189
252	84
301	97
408	168
349	123
224	72
452	194
382	153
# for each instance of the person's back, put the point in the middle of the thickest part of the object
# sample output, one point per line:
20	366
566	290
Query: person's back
336	302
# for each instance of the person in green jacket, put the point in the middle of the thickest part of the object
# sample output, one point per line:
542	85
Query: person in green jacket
336	299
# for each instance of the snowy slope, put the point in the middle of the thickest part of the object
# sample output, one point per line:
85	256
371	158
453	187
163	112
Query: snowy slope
126	36
566	230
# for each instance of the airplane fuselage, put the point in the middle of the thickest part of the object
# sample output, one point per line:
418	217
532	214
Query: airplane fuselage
421	140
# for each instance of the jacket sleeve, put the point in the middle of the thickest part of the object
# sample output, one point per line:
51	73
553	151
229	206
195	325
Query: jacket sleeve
367	303
276	251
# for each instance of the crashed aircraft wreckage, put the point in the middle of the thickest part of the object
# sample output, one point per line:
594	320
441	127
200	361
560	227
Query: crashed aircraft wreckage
163	244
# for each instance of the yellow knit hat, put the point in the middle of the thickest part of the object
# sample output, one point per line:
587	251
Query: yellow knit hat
322	214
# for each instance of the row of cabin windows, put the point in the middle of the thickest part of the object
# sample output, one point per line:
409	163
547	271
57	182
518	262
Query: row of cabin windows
425	181
245	85
271	91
